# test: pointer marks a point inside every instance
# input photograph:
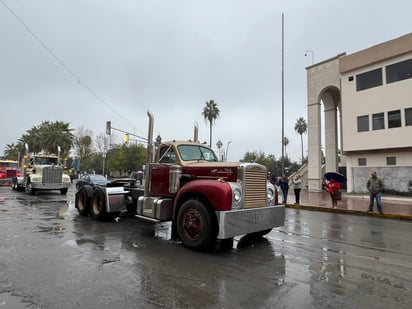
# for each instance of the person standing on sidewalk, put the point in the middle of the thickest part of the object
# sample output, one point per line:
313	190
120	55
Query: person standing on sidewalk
297	186
284	186
375	186
333	188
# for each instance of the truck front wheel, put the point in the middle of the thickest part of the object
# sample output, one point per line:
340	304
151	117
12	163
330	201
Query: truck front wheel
29	188
194	225
14	185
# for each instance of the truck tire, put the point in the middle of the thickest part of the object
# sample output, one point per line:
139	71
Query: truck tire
14	186
98	206
29	188
195	227
83	200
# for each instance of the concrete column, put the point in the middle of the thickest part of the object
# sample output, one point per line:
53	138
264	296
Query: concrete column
331	135
314	149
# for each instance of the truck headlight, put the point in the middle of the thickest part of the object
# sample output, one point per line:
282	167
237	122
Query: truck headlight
270	194
237	202
237	195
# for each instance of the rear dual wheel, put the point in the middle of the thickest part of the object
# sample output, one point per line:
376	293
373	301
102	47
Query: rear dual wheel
83	200
99	206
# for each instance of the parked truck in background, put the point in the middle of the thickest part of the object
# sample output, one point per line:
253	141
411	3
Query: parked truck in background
8	170
204	199
41	172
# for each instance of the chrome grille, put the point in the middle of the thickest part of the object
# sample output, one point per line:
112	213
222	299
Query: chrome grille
11	173
254	181
52	174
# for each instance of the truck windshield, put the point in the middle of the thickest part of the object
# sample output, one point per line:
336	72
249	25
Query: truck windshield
45	161
8	164
195	152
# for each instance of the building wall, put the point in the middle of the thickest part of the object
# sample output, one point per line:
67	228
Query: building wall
385	98
396	177
369	150
375	146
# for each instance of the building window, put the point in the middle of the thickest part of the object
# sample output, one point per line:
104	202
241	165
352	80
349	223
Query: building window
390	160
362	161
394	119
399	71
363	123
369	79
378	122
408	116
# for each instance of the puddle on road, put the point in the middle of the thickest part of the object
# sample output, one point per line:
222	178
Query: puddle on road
9	301
52	229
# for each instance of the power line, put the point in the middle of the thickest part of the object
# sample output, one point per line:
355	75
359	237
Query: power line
66	68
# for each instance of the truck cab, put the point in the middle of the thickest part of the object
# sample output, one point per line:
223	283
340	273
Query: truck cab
42	172
206	199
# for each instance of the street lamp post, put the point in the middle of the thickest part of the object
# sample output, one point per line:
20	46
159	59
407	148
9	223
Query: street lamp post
313	55
227	148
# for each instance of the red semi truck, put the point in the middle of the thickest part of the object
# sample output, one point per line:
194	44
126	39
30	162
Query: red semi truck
8	170
204	199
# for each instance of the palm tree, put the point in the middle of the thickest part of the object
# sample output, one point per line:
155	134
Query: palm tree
219	145
48	136
210	113
285	143
11	151
300	128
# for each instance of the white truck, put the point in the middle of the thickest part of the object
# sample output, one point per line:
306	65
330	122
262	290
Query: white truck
41	172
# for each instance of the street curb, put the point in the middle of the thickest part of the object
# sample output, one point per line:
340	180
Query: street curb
350	212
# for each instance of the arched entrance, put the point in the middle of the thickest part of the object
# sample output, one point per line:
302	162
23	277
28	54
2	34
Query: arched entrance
323	88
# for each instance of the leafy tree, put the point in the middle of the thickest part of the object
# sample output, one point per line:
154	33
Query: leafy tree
210	113
47	137
258	157
273	165
285	143
103	143
123	159
11	152
219	145
300	128
83	146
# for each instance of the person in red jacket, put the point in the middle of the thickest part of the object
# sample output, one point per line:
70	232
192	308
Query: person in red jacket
333	188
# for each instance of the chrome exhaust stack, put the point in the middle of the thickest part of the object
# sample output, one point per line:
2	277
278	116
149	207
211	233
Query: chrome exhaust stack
196	133
150	154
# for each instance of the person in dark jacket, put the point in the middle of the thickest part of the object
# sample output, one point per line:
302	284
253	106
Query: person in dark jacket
284	187
375	186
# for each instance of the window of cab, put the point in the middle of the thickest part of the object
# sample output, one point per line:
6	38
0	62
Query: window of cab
196	152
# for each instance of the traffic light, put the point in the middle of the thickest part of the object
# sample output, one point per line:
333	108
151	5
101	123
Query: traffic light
108	127
126	138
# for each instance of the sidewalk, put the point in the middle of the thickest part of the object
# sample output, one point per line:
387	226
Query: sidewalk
393	207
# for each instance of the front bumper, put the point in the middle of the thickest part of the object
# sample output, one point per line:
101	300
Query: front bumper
245	221
49	186
6	182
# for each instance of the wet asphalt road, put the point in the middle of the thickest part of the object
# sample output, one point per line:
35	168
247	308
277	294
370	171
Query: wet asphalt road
50	257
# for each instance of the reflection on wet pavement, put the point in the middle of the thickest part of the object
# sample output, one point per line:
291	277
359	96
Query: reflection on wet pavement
317	260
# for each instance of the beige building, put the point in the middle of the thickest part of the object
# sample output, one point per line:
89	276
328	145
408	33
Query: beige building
367	103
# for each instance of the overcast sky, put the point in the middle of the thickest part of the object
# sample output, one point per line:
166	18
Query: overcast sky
88	61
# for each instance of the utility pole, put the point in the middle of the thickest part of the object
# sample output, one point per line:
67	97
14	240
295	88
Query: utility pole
283	96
